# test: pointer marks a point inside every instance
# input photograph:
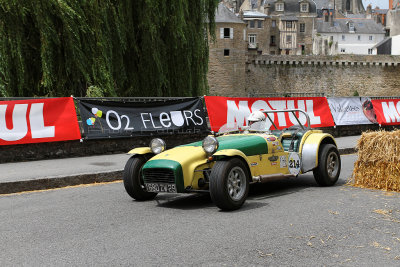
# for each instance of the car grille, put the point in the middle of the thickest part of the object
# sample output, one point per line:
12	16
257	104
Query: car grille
159	176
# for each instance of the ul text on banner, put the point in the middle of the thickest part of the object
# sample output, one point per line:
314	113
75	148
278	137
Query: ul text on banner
229	112
116	119
38	120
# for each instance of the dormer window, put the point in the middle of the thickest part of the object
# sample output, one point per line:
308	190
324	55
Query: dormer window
304	7
279	7
351	26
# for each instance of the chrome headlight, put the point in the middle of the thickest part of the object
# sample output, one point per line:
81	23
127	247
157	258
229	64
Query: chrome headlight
210	144
157	145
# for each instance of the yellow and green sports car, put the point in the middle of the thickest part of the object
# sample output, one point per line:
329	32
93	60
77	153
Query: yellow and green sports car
225	164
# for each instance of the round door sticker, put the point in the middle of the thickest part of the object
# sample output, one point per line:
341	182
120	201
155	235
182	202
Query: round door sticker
294	163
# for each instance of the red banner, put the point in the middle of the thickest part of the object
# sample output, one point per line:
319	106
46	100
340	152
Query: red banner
226	111
387	111
37	121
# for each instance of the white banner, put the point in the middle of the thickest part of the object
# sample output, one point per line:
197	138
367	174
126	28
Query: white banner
352	110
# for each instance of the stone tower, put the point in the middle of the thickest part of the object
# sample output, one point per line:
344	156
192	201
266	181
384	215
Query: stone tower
350	6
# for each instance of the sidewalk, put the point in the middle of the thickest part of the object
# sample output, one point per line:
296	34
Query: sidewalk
54	173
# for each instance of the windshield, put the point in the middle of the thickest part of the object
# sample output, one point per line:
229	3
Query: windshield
258	126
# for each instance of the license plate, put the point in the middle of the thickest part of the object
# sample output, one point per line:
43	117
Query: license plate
158	187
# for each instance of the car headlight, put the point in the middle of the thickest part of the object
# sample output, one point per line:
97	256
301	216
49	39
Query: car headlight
210	144
157	145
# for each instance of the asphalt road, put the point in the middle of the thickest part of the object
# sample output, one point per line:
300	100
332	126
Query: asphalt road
285	223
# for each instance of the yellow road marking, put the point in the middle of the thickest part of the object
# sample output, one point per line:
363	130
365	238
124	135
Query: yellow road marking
64	187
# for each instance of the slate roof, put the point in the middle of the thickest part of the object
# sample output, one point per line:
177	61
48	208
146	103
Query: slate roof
254	14
366	26
356	16
322	4
382	42
380	11
293	18
224	15
292	6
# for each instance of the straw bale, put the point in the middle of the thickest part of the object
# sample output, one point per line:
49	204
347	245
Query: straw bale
378	163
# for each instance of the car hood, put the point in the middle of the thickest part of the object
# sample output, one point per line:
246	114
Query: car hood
249	144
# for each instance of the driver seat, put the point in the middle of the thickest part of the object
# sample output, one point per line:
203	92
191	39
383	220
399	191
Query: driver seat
291	140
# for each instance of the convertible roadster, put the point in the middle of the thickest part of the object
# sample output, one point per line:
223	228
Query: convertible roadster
224	164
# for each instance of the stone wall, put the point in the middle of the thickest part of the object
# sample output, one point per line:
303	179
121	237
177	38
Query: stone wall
393	22
342	75
227	72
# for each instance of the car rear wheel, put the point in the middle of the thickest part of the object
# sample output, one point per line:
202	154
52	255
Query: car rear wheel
229	184
328	170
133	181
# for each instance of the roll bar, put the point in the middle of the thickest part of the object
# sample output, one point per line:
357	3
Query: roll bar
288	111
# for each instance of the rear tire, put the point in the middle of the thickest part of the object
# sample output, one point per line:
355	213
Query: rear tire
229	184
133	181
328	170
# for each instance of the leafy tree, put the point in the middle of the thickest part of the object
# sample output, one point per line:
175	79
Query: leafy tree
118	47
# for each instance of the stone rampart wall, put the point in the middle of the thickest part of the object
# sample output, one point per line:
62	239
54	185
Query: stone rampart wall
343	75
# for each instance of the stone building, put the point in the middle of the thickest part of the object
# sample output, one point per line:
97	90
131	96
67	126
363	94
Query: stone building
346	36
290	24
258	31
227	53
393	19
349	6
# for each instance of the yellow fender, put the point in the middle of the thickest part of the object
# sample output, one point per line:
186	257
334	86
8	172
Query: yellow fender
231	153
310	149
140	151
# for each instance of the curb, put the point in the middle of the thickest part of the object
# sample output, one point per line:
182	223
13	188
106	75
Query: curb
87	178
59	182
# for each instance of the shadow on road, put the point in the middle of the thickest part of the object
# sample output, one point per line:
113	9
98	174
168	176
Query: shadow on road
257	192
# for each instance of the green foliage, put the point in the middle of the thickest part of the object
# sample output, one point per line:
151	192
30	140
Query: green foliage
126	48
355	93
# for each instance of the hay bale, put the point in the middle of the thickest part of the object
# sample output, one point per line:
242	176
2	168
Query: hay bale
378	163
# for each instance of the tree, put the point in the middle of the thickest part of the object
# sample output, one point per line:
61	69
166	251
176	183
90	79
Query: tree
113	47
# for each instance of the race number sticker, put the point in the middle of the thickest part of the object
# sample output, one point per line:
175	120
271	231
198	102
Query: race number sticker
294	163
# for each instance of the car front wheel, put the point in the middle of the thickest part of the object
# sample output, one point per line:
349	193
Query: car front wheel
328	170
229	184
133	181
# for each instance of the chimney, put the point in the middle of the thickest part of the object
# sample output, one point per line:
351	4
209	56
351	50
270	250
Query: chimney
267	9
325	13
390	4
369	11
331	18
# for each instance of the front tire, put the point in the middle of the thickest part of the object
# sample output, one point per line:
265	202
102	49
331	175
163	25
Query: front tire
328	170
133	182
229	184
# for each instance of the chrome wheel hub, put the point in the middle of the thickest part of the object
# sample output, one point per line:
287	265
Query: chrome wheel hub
332	164
236	183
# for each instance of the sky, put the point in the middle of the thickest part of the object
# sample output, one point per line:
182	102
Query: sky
384	4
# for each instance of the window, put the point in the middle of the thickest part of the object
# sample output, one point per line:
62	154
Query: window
369	51
252	23
370	37
259	24
272	43
226	52
289	39
351	27
304	7
288	24
252	38
343	37
226	33
273	23
359	38
302	27
279	7
342	50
